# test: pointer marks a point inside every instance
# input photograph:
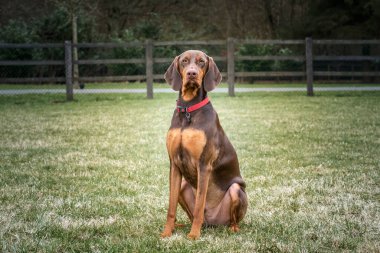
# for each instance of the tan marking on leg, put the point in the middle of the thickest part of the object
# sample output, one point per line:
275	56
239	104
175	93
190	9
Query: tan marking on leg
194	141
200	202
175	186
238	206
173	140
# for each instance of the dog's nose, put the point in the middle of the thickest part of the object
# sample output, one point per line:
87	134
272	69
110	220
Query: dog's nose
191	73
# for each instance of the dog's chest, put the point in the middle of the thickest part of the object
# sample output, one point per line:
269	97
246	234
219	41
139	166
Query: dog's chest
185	147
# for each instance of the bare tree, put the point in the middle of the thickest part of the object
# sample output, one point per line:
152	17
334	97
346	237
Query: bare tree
73	8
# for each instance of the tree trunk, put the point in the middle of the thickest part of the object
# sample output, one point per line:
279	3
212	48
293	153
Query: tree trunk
74	23
270	18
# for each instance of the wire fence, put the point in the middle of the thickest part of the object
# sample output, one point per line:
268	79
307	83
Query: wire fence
122	67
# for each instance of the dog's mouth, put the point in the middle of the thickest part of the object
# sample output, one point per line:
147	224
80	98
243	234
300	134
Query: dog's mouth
192	84
190	89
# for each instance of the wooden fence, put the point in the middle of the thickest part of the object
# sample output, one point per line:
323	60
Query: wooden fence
230	58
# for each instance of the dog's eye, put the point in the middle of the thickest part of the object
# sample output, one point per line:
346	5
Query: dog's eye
185	60
201	62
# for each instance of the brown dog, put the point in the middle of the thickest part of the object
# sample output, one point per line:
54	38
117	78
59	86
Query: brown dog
212	189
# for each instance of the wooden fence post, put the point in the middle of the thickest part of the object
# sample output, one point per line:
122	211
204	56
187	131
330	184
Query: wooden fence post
69	71
309	65
149	68
231	66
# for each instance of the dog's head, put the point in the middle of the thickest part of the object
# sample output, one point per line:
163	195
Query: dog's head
191	71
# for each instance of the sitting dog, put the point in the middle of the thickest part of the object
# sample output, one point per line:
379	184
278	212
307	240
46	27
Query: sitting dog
204	169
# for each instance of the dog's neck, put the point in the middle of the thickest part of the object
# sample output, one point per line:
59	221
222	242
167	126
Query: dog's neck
200	95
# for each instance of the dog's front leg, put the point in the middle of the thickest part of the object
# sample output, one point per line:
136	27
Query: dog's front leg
200	202
175	186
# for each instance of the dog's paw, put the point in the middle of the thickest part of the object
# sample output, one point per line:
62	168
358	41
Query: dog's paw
234	228
168	230
166	233
193	235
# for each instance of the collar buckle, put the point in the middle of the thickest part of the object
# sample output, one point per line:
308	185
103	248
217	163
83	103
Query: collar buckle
189	109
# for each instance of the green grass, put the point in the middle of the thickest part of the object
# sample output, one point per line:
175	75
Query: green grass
92	175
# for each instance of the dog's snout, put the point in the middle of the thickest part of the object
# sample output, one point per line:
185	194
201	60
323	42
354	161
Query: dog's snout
191	73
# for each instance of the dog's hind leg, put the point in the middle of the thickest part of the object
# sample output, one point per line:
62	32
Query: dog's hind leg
238	206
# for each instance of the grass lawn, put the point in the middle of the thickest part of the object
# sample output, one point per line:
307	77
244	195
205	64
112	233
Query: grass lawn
92	175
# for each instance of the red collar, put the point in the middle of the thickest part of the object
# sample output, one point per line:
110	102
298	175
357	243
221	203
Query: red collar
193	107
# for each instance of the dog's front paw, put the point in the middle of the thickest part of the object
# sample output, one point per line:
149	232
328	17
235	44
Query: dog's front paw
194	235
166	233
168	230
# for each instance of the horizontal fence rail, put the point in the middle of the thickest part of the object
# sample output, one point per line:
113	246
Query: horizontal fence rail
271	42
30	63
230	55
31	45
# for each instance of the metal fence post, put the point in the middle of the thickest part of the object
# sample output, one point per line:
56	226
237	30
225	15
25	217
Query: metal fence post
231	66
309	66
69	71
149	68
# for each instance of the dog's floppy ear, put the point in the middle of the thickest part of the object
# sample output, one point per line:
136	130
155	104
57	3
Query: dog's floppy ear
212	77
172	76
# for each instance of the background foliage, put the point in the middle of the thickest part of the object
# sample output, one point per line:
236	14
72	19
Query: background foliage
45	21
100	20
